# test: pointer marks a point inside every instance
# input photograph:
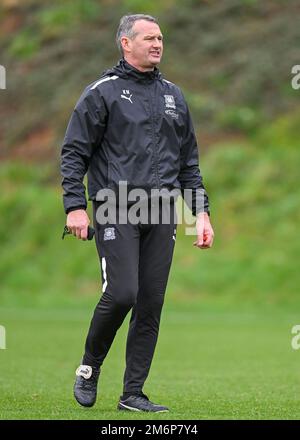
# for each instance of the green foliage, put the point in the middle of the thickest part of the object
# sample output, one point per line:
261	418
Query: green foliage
59	18
52	21
202	106
140	6
254	192
283	132
146	6
244	119
26	44
224	55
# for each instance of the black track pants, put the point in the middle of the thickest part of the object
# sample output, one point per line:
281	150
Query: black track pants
135	261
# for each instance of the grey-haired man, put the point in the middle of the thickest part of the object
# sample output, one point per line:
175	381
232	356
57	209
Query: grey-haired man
133	126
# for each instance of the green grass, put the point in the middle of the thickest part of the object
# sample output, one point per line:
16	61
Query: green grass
210	363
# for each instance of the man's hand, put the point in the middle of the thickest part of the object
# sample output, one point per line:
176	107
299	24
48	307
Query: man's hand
205	233
77	222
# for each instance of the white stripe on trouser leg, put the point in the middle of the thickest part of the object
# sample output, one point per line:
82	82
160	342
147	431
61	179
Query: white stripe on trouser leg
103	263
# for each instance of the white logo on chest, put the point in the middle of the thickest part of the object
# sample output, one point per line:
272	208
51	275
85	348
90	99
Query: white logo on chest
170	101
127	95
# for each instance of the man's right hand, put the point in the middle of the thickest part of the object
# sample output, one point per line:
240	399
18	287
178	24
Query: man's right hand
77	222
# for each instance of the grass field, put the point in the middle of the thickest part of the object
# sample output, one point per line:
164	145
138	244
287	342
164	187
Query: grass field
210	363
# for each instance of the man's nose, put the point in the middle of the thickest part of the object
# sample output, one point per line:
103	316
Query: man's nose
157	43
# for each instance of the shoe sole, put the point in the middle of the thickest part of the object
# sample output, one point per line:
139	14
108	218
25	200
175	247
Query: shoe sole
123	407
84	404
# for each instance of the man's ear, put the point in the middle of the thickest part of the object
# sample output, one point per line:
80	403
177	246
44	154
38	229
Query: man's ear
125	42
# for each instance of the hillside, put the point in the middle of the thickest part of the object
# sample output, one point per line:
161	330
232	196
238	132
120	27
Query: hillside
232	59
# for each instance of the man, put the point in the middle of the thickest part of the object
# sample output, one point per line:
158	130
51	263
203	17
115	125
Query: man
130	126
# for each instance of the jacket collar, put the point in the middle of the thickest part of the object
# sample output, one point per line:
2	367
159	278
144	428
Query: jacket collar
125	70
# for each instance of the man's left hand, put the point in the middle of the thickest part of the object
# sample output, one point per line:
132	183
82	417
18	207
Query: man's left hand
205	233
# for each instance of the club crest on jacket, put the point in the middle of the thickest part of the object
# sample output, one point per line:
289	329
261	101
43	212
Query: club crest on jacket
109	234
170	101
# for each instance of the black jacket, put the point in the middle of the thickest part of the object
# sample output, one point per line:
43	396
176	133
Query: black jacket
133	126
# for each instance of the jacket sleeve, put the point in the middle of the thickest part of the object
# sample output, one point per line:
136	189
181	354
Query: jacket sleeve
83	135
192	187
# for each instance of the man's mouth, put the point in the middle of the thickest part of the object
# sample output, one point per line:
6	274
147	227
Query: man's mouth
155	53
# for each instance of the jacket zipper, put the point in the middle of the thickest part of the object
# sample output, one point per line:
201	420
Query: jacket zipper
154	141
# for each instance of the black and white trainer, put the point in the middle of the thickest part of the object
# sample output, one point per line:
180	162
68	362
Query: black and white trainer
140	402
85	387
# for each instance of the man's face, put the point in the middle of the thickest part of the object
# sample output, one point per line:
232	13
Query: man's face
145	49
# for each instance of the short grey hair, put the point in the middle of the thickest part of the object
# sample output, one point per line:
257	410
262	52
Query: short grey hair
126	25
